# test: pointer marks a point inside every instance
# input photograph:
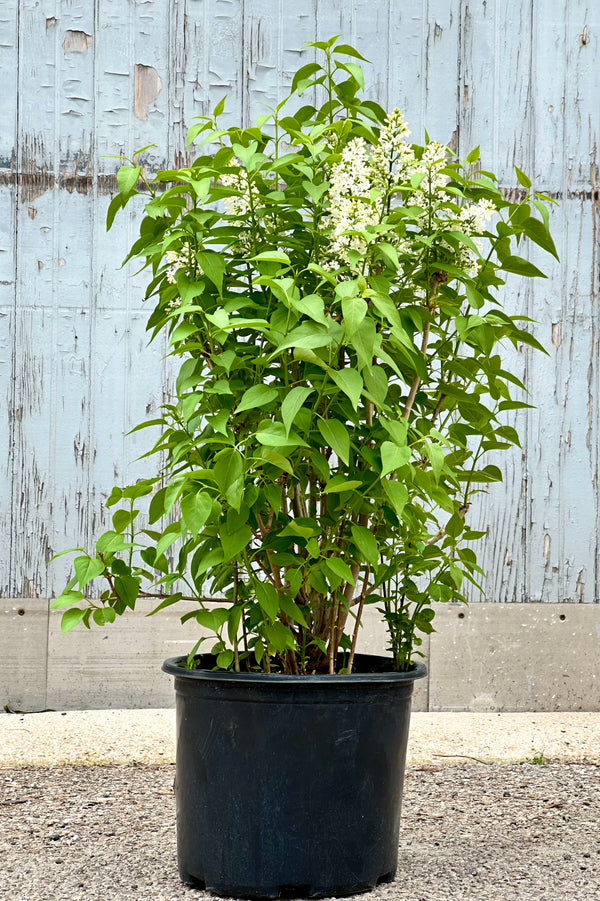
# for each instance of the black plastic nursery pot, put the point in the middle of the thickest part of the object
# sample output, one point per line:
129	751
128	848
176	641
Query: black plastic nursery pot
290	785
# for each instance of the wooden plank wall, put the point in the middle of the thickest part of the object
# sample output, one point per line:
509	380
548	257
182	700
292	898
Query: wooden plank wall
86	80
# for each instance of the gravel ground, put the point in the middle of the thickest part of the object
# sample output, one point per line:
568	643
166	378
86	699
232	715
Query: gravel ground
148	737
478	831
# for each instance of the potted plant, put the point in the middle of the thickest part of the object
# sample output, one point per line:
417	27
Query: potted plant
332	292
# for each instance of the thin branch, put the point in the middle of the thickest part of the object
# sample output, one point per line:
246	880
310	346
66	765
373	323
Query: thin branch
236	654
417	378
462	512
300	502
359	613
438	407
332	643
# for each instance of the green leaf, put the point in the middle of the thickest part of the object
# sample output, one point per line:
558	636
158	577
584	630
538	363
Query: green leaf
487	474
114	497
256	396
268	598
366	542
66	599
455	525
521	267
168	537
474	297
456	575
104	615
188	288
279	636
354	310
127	179
234	540
340	483
214	266
110	543
436	457
121	519
543	211
396	429
397	494
301	526
303	73
219	107
274	256
309	356
275	435
195	510
363	342
168	602
312	306
71	618
537	232
522	178
183	331
315	192
127	588
376	384
268	455
116	204
416	179
225	658
291	405
228	473
308	335
393	457
356	72
292	610
233	622
88	568
206	561
340	568
335	434
212	619
390	254
348	50
351	383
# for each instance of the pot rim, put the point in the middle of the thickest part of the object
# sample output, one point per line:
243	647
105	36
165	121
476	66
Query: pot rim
172	667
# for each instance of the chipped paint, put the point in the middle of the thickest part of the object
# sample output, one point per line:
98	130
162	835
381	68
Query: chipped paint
147	88
556	334
77	42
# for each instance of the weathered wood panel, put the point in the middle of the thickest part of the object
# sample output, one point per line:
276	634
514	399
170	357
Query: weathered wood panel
84	82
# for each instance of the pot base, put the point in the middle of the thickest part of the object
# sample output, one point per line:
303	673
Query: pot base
285	891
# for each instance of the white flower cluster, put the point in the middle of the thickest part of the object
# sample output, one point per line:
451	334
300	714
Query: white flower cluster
475	216
431	164
239	205
182	259
351	206
363	182
393	157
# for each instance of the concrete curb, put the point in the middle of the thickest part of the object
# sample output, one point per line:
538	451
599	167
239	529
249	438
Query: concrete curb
102	737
